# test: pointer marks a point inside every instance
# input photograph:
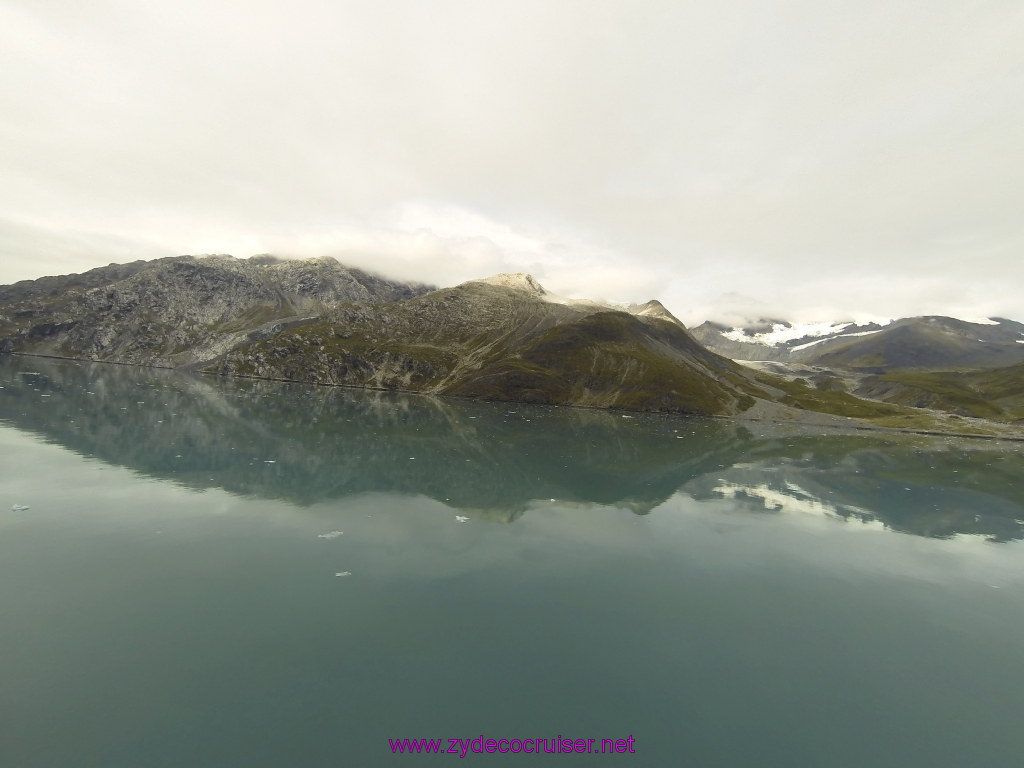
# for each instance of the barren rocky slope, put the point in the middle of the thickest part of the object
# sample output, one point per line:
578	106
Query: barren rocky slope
177	311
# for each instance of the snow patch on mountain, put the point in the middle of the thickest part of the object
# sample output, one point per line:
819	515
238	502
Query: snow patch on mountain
839	336
782	332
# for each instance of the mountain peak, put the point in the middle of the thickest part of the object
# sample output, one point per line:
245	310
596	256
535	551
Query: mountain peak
654	308
519	280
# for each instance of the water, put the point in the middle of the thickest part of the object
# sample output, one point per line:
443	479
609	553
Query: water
726	595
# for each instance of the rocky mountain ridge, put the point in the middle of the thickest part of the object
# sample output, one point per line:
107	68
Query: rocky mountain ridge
178	311
315	320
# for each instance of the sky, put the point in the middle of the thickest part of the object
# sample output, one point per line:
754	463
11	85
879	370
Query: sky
804	160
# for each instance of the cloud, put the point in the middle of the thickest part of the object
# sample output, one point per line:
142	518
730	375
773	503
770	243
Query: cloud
818	157
449	244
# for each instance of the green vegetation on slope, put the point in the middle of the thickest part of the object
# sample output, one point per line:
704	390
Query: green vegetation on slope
826	398
611	360
996	394
526	354
921	343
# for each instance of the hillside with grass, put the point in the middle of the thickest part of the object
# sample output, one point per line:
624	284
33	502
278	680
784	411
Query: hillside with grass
996	393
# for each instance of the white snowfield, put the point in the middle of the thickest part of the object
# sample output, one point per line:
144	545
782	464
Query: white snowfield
839	336
781	333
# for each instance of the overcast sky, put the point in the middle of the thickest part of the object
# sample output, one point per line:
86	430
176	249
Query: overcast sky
812	160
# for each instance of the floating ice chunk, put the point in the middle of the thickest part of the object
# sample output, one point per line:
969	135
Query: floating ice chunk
269	461
330	535
343	573
462	519
19	507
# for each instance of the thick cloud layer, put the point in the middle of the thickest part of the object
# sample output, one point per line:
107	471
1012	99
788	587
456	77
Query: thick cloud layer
801	159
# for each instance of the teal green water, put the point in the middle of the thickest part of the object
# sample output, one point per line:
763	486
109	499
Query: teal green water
727	595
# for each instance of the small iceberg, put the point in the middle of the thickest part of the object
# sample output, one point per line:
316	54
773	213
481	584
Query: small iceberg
19	507
330	535
462	519
343	573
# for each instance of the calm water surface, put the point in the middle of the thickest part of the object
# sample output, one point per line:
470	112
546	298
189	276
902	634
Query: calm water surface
727	595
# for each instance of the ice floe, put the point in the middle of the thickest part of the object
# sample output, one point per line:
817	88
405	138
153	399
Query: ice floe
462	519
19	507
330	535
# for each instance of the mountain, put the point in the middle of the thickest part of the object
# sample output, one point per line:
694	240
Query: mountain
503	338
764	339
180	310
917	342
927	343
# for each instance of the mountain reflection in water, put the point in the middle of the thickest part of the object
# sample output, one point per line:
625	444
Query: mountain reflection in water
308	444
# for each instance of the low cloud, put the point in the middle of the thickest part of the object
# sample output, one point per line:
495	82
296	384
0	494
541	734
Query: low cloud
826	160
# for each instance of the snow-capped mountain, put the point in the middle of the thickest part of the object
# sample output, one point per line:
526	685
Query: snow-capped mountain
921	342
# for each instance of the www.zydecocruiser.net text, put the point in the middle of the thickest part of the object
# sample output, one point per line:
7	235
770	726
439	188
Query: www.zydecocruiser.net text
483	745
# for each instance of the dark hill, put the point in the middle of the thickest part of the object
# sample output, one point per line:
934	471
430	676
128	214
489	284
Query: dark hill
927	343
